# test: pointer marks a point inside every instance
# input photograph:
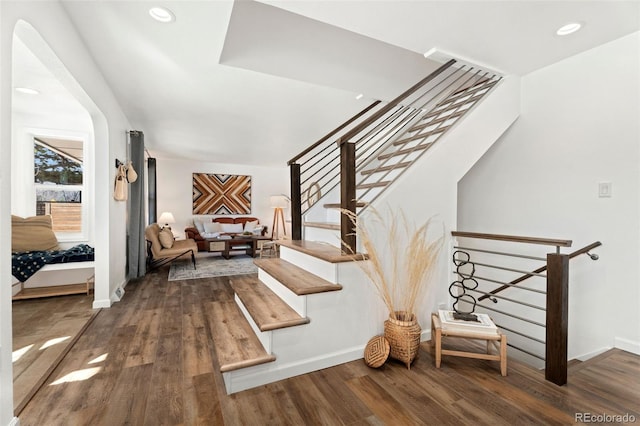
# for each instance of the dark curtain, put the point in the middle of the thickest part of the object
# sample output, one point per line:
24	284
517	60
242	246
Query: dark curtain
153	202
136	245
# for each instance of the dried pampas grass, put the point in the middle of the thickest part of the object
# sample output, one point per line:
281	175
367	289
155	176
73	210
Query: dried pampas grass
401	258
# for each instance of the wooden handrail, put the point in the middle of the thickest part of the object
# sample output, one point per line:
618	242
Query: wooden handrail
514	239
388	107
333	132
583	250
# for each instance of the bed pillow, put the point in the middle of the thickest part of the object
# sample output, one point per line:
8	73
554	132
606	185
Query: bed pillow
33	233
166	238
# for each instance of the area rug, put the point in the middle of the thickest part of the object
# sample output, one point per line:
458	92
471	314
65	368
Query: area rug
212	267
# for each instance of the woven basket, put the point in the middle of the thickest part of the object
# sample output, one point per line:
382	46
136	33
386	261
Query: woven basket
376	352
403	335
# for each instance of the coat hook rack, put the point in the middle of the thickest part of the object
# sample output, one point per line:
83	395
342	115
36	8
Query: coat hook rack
119	163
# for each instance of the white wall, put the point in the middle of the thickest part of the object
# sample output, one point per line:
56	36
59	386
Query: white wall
83	79
175	188
579	126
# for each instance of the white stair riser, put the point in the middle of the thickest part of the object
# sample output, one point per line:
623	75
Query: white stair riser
330	236
319	267
297	303
265	337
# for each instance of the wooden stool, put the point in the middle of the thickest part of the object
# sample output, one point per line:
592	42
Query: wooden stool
492	340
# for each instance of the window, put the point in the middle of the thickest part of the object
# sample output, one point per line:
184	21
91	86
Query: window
59	184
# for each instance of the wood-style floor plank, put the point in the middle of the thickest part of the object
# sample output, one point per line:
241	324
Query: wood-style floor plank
178	381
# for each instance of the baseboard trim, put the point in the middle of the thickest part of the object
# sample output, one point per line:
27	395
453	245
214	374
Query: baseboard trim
101	303
589	355
247	378
627	345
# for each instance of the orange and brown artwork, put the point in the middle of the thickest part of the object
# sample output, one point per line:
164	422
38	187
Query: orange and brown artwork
221	194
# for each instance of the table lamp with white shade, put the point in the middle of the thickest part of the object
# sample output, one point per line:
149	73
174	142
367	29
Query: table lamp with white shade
166	218
278	203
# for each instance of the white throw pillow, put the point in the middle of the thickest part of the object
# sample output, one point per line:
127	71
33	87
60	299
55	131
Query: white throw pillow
199	225
232	228
210	227
250	226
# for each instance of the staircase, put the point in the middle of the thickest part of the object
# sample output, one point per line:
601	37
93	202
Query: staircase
294	317
311	308
386	140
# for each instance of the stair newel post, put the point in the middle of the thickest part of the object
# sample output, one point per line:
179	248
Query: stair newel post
348	192
557	318
296	201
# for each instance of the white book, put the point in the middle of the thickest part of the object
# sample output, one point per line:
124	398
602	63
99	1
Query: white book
483	325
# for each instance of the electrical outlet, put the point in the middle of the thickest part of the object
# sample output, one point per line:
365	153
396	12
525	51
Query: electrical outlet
119	292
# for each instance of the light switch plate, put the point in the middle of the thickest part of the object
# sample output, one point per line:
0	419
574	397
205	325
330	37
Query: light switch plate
605	189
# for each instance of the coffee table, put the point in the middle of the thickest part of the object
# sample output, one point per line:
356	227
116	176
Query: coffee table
250	244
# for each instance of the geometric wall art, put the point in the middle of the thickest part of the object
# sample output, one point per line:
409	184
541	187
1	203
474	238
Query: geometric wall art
221	194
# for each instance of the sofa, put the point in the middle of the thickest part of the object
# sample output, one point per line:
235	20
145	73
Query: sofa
162	248
222	226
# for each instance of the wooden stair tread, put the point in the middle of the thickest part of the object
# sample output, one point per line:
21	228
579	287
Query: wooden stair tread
268	311
323	251
373	184
323	225
469	91
337	205
237	346
296	279
405	151
396	166
421	135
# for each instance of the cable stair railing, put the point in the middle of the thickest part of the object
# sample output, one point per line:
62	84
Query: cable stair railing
535	316
360	158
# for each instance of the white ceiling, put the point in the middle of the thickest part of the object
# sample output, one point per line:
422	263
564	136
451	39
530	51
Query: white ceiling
255	83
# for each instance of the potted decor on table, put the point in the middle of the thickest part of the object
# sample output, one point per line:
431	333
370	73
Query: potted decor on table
401	257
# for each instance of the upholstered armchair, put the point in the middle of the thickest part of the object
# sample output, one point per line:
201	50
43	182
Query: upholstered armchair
162	249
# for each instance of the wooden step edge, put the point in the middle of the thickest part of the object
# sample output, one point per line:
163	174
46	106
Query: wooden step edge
323	225
451	116
421	135
454	105
247	363
284	324
323	251
380	184
405	151
268	304
337	205
470	91
387	168
290	276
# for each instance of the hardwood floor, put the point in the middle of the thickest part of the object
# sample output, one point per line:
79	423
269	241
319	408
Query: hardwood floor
149	360
43	330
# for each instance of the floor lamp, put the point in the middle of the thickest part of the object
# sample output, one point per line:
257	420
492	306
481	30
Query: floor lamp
278	203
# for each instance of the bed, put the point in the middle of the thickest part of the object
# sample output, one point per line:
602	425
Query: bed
40	268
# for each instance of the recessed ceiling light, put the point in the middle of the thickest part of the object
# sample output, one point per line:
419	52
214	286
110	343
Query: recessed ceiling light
161	14
27	90
569	28
359	96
